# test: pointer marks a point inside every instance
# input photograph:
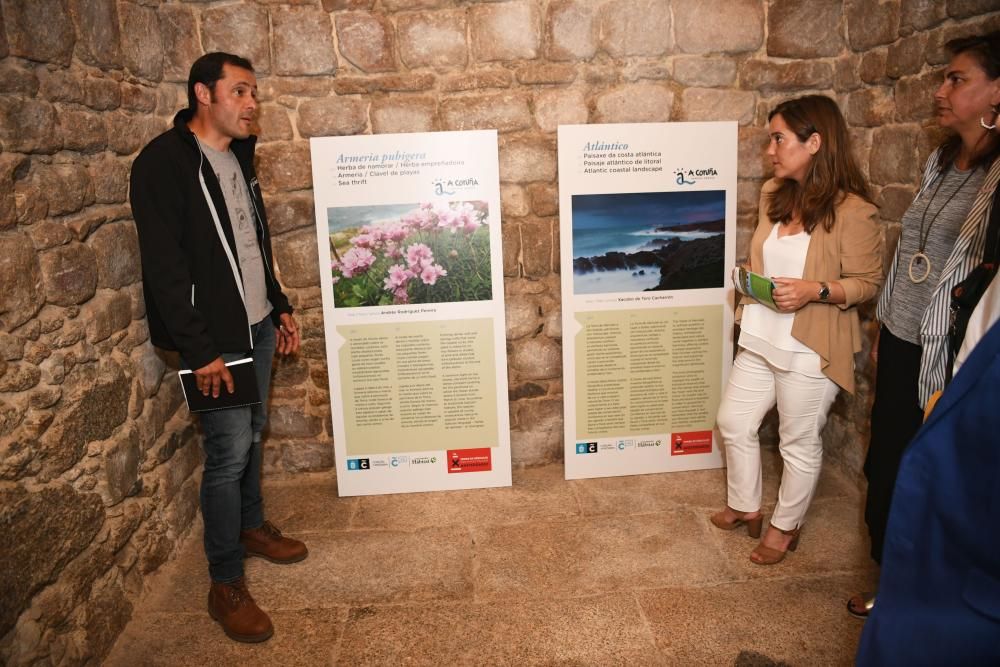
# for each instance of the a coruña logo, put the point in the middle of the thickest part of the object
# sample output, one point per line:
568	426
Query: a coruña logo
449	186
692	176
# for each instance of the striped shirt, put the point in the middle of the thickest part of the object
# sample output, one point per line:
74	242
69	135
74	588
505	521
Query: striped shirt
965	255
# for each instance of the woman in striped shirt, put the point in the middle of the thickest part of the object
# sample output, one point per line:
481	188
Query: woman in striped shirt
942	238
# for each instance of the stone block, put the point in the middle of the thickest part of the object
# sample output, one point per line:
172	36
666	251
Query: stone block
526	161
711	26
116	248
571	29
127	133
11	167
767	76
28	126
121	466
538	252
920	14
893	156
636	28
705	72
18	77
179	32
289	421
523	317
404	114
367	41
402	5
872	69
914	96
59	85
41	30
47	234
302	38
536	358
511	235
544	199
4	47
893	201
536	74
241	29
110	179
69	273
284	165
906	56
138	98
708	104
54	520
149	367
804	28
753	160
513	201
82	131
560	106
492	78
635	103
501	111
845	75
102	94
333	116
871	23
67	187
504	31
870	107
142	46
307	456
432	39
960	9
295	255
286	212
108	312
99	40
19	376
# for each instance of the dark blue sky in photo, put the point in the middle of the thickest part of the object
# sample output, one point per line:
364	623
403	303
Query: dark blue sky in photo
647	208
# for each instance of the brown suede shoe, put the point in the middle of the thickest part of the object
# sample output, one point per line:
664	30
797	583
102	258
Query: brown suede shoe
268	542
232	606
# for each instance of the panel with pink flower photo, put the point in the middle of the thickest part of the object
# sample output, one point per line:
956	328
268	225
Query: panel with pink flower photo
410	253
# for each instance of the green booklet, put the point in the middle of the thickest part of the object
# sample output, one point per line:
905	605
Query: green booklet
755	286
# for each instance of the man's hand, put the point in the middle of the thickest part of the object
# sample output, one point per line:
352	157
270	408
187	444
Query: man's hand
212	376
288	335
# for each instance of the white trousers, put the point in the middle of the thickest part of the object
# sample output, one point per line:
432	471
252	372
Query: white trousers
803	405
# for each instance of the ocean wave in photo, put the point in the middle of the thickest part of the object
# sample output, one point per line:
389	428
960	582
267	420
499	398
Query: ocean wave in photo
619	280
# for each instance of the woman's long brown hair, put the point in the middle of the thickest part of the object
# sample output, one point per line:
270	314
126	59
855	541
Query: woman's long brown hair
833	173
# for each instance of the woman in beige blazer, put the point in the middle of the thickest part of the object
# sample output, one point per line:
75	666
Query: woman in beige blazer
818	239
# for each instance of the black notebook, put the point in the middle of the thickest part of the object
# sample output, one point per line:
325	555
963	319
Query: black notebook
245	389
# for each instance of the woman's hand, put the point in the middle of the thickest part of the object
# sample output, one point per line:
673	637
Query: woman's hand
790	294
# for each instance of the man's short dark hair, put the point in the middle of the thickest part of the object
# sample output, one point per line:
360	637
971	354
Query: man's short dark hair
208	70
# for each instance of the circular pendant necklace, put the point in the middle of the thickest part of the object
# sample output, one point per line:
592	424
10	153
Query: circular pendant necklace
920	263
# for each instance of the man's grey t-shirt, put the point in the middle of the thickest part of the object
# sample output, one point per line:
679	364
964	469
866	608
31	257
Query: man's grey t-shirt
234	188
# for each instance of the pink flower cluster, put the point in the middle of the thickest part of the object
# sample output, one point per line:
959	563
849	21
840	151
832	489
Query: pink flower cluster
419	264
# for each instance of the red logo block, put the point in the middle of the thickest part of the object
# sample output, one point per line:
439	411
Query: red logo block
691	442
470	460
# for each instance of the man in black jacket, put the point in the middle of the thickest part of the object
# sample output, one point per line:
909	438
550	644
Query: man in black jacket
211	294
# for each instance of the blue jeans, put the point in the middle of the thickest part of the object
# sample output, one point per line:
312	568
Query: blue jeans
230	484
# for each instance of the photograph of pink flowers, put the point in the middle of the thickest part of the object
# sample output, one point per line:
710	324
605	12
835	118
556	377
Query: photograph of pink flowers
410	253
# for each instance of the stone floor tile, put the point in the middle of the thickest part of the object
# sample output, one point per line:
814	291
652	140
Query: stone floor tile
798	621
834	539
307	506
595	555
536	494
605	630
306	637
634	494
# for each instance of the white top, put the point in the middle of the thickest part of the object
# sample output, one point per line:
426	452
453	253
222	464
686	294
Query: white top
986	313
769	333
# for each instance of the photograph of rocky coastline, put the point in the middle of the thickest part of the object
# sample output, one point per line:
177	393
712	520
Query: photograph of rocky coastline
640	242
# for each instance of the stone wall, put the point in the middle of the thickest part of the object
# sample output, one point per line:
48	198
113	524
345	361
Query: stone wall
98	461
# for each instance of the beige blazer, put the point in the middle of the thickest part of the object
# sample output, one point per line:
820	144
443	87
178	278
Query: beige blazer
850	254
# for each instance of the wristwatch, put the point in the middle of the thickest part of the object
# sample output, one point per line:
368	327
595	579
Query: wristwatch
824	291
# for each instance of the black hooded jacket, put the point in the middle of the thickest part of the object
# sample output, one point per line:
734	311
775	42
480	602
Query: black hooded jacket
192	286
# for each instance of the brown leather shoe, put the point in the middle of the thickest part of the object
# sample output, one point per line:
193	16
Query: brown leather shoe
268	542
232	606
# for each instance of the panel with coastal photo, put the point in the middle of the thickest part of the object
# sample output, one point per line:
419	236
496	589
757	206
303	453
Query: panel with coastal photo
410	253
648	241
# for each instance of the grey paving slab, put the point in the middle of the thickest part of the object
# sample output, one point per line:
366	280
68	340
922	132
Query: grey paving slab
536	494
604	630
595	555
309	505
799	621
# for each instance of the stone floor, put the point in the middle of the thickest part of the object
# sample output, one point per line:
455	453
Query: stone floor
613	571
